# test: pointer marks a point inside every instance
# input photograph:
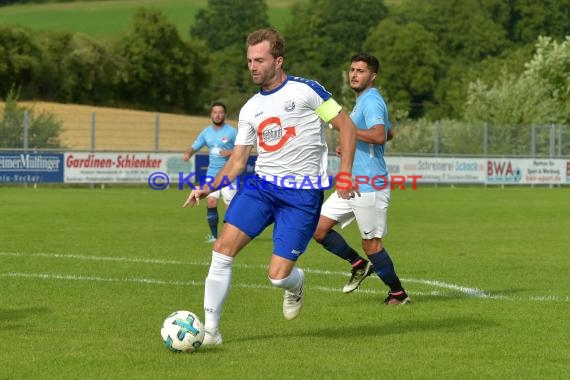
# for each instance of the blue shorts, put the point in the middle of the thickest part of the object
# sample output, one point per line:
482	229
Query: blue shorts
296	212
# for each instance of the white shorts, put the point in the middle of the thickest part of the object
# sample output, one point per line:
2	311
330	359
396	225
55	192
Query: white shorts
370	211
227	193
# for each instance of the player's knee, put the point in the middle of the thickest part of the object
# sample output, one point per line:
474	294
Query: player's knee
320	234
223	245
371	246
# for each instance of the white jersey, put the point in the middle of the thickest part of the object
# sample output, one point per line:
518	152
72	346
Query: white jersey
290	136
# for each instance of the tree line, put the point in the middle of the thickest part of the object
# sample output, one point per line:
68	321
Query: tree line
439	58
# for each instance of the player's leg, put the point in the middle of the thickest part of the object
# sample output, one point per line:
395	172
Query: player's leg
246	217
371	213
228	193
212	216
296	217
337	210
285	275
218	281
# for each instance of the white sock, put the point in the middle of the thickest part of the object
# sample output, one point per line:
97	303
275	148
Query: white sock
217	288
291	283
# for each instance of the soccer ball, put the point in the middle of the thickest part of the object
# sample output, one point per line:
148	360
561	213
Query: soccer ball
182	331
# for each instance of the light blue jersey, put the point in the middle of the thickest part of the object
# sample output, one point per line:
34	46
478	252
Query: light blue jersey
370	110
216	140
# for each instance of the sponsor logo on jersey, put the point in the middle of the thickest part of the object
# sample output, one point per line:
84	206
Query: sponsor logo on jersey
289	105
272	136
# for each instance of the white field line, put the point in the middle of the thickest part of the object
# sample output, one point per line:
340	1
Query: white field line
152	281
470	292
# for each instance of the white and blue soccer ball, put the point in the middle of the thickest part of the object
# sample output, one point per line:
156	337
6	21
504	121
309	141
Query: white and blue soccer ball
182	331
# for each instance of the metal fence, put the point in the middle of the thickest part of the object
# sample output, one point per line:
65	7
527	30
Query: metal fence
121	130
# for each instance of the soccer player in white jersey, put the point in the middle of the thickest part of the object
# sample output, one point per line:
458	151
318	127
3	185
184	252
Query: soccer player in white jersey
219	137
370	115
286	119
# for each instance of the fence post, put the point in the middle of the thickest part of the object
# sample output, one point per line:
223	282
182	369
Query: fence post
533	141
156	132
93	130
26	126
552	140
559	141
485	139
436	137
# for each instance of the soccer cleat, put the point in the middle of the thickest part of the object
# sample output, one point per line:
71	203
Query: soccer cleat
293	302
212	338
357	276
210	239
397	298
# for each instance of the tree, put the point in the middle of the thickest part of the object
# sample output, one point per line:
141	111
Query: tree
88	72
332	31
466	32
44	128
231	81
529	19
540	95
410	63
159	69
470	30
225	23
21	60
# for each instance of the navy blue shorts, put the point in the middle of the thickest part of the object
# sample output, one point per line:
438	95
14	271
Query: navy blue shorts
295	212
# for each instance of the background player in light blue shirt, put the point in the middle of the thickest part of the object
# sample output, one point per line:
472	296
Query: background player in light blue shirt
370	210
220	138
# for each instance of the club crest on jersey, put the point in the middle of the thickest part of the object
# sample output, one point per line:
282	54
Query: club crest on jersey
289	105
272	136
224	139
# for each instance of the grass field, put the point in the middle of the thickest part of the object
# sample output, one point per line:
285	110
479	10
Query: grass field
107	19
88	275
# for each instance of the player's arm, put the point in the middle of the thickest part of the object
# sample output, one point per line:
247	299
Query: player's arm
331	112
226	152
188	153
347	137
390	135
234	167
374	135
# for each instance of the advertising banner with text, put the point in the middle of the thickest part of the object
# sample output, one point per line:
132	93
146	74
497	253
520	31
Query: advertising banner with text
31	167
438	170
123	167
138	167
526	171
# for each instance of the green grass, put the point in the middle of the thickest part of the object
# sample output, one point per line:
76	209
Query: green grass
107	19
88	275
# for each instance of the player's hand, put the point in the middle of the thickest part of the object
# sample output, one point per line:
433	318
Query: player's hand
337	151
225	153
186	156
194	197
347	194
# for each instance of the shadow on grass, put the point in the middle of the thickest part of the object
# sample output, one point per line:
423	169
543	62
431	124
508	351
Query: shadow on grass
17	314
363	331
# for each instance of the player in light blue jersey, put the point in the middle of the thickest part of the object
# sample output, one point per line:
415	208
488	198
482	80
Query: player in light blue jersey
220	138
370	115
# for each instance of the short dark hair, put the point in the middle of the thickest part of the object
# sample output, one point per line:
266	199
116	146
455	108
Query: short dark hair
275	39
367	58
219	104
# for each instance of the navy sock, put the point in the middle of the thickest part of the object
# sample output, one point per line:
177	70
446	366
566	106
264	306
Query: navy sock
213	220
384	268
336	244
